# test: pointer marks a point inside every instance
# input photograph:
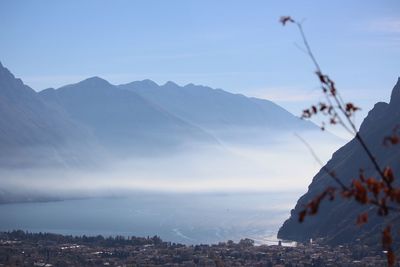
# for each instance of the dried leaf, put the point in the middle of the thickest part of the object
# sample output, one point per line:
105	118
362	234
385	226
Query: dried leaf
285	19
387	237
302	215
391	258
388	174
362	218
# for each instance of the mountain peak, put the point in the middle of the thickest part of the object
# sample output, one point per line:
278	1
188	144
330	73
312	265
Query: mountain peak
395	97
170	84
374	115
6	77
146	83
5	72
95	81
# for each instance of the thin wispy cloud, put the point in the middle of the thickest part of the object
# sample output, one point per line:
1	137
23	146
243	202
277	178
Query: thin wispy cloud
286	94
379	32
386	25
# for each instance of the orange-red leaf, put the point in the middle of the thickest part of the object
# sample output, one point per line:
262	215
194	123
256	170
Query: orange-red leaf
388	174
387	237
391	258
362	218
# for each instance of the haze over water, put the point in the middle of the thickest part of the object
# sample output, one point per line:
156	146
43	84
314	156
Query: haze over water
183	218
202	196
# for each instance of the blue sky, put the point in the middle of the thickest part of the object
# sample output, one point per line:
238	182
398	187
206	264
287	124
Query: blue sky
235	45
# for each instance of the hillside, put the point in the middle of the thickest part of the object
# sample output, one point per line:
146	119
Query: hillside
32	131
93	119
335	221
123	121
229	117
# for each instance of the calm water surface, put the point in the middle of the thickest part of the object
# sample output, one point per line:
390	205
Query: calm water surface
184	218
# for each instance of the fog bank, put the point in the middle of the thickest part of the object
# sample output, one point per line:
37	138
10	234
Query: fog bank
285	165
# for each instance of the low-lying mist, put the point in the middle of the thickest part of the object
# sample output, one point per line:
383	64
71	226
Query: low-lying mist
284	165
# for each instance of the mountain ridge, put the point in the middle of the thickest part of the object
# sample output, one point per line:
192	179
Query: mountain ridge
139	118
229	117
118	117
30	128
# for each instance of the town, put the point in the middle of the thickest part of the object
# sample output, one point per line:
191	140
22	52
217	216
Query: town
19	248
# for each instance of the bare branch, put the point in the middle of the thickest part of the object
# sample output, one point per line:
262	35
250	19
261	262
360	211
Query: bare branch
324	168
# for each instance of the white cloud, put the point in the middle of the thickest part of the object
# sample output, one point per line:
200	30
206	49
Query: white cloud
386	25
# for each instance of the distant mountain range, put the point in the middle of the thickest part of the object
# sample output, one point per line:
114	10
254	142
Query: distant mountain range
92	117
231	118
121	120
335	221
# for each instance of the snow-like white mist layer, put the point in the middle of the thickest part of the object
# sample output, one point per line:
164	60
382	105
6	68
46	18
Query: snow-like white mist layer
284	165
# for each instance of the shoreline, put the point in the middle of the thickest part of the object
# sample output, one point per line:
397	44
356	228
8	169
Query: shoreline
19	248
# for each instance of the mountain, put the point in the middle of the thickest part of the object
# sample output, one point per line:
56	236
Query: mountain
31	131
335	221
227	116
123	121
94	118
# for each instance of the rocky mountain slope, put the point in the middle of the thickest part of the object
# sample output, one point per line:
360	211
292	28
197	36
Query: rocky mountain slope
335	221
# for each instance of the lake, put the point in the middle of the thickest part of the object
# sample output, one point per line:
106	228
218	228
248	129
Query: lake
184	218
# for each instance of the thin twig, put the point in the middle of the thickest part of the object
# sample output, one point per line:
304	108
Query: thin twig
324	168
340	104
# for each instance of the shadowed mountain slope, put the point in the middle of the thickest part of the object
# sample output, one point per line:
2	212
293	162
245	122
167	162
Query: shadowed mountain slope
122	120
335	221
33	131
228	116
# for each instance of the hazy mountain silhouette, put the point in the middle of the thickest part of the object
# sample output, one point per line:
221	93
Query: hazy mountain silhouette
335	221
139	118
32	131
226	115
121	120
